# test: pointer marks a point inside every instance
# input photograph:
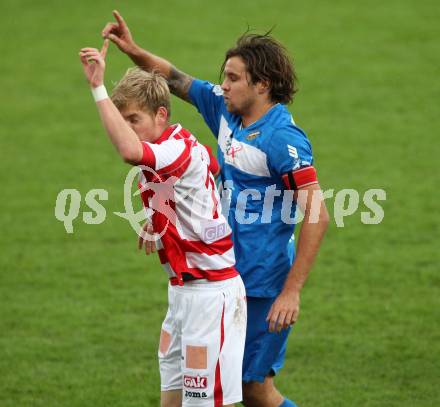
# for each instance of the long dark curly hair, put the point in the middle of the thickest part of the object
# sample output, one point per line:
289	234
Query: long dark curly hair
266	60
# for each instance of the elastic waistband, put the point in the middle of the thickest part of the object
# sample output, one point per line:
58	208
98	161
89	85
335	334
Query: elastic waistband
204	284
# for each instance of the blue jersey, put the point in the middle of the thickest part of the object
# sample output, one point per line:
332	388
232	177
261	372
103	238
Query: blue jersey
253	161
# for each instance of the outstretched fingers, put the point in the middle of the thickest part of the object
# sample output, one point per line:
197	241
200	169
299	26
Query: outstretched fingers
91	56
104	48
119	19
109	27
83	59
88	49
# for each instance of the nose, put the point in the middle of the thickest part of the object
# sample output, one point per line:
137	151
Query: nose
224	86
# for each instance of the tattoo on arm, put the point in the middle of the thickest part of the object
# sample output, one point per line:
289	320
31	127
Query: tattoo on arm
179	83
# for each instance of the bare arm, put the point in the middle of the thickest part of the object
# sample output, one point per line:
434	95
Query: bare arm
178	81
312	231
119	132
285	309
119	33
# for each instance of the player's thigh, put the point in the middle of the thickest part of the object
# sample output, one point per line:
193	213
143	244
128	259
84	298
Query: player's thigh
234	336
171	398
264	351
169	353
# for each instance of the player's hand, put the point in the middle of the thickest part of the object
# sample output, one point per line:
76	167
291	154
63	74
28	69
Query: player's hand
284	311
119	34
93	62
146	239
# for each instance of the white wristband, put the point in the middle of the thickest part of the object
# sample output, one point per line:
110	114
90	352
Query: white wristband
99	93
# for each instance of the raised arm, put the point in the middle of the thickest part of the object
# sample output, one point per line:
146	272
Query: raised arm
119	33
119	132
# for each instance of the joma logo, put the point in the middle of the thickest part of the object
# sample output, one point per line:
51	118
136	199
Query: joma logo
196	394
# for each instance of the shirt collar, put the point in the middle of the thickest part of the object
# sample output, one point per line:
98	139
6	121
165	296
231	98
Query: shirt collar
168	133
263	118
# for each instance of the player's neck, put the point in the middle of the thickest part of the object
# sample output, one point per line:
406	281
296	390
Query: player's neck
157	133
257	111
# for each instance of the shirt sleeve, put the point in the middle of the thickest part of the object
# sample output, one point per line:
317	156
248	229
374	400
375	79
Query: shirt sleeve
170	158
291	158
208	99
148	157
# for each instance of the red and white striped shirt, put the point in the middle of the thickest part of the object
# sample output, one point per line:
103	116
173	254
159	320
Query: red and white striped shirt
178	186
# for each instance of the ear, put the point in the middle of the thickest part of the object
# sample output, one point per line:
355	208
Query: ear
263	87
162	115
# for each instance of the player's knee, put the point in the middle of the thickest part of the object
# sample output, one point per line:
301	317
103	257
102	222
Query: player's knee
253	396
171	403
248	400
171	398
261	394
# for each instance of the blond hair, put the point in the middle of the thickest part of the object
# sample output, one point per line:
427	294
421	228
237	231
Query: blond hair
148	90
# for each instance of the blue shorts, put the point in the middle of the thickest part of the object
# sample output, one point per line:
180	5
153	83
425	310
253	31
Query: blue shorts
264	351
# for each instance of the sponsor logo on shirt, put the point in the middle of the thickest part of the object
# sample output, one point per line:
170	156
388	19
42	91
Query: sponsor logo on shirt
252	136
195	382
213	231
233	150
292	151
196	394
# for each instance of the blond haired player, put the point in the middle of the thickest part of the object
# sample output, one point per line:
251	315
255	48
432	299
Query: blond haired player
203	334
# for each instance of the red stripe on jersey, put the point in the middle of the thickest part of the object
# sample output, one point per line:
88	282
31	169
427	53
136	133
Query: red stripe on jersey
214	166
166	134
300	178
162	256
180	164
210	275
148	157
175	250
145	195
185	133
218	390
218	247
214	199
207	177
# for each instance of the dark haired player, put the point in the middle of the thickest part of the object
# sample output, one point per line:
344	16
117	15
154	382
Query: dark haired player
262	154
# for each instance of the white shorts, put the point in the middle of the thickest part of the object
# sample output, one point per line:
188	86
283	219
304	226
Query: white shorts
202	342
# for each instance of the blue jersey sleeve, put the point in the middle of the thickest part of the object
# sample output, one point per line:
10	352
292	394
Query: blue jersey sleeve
289	150
208	99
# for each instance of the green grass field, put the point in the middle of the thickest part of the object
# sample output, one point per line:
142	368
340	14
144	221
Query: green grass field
80	313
